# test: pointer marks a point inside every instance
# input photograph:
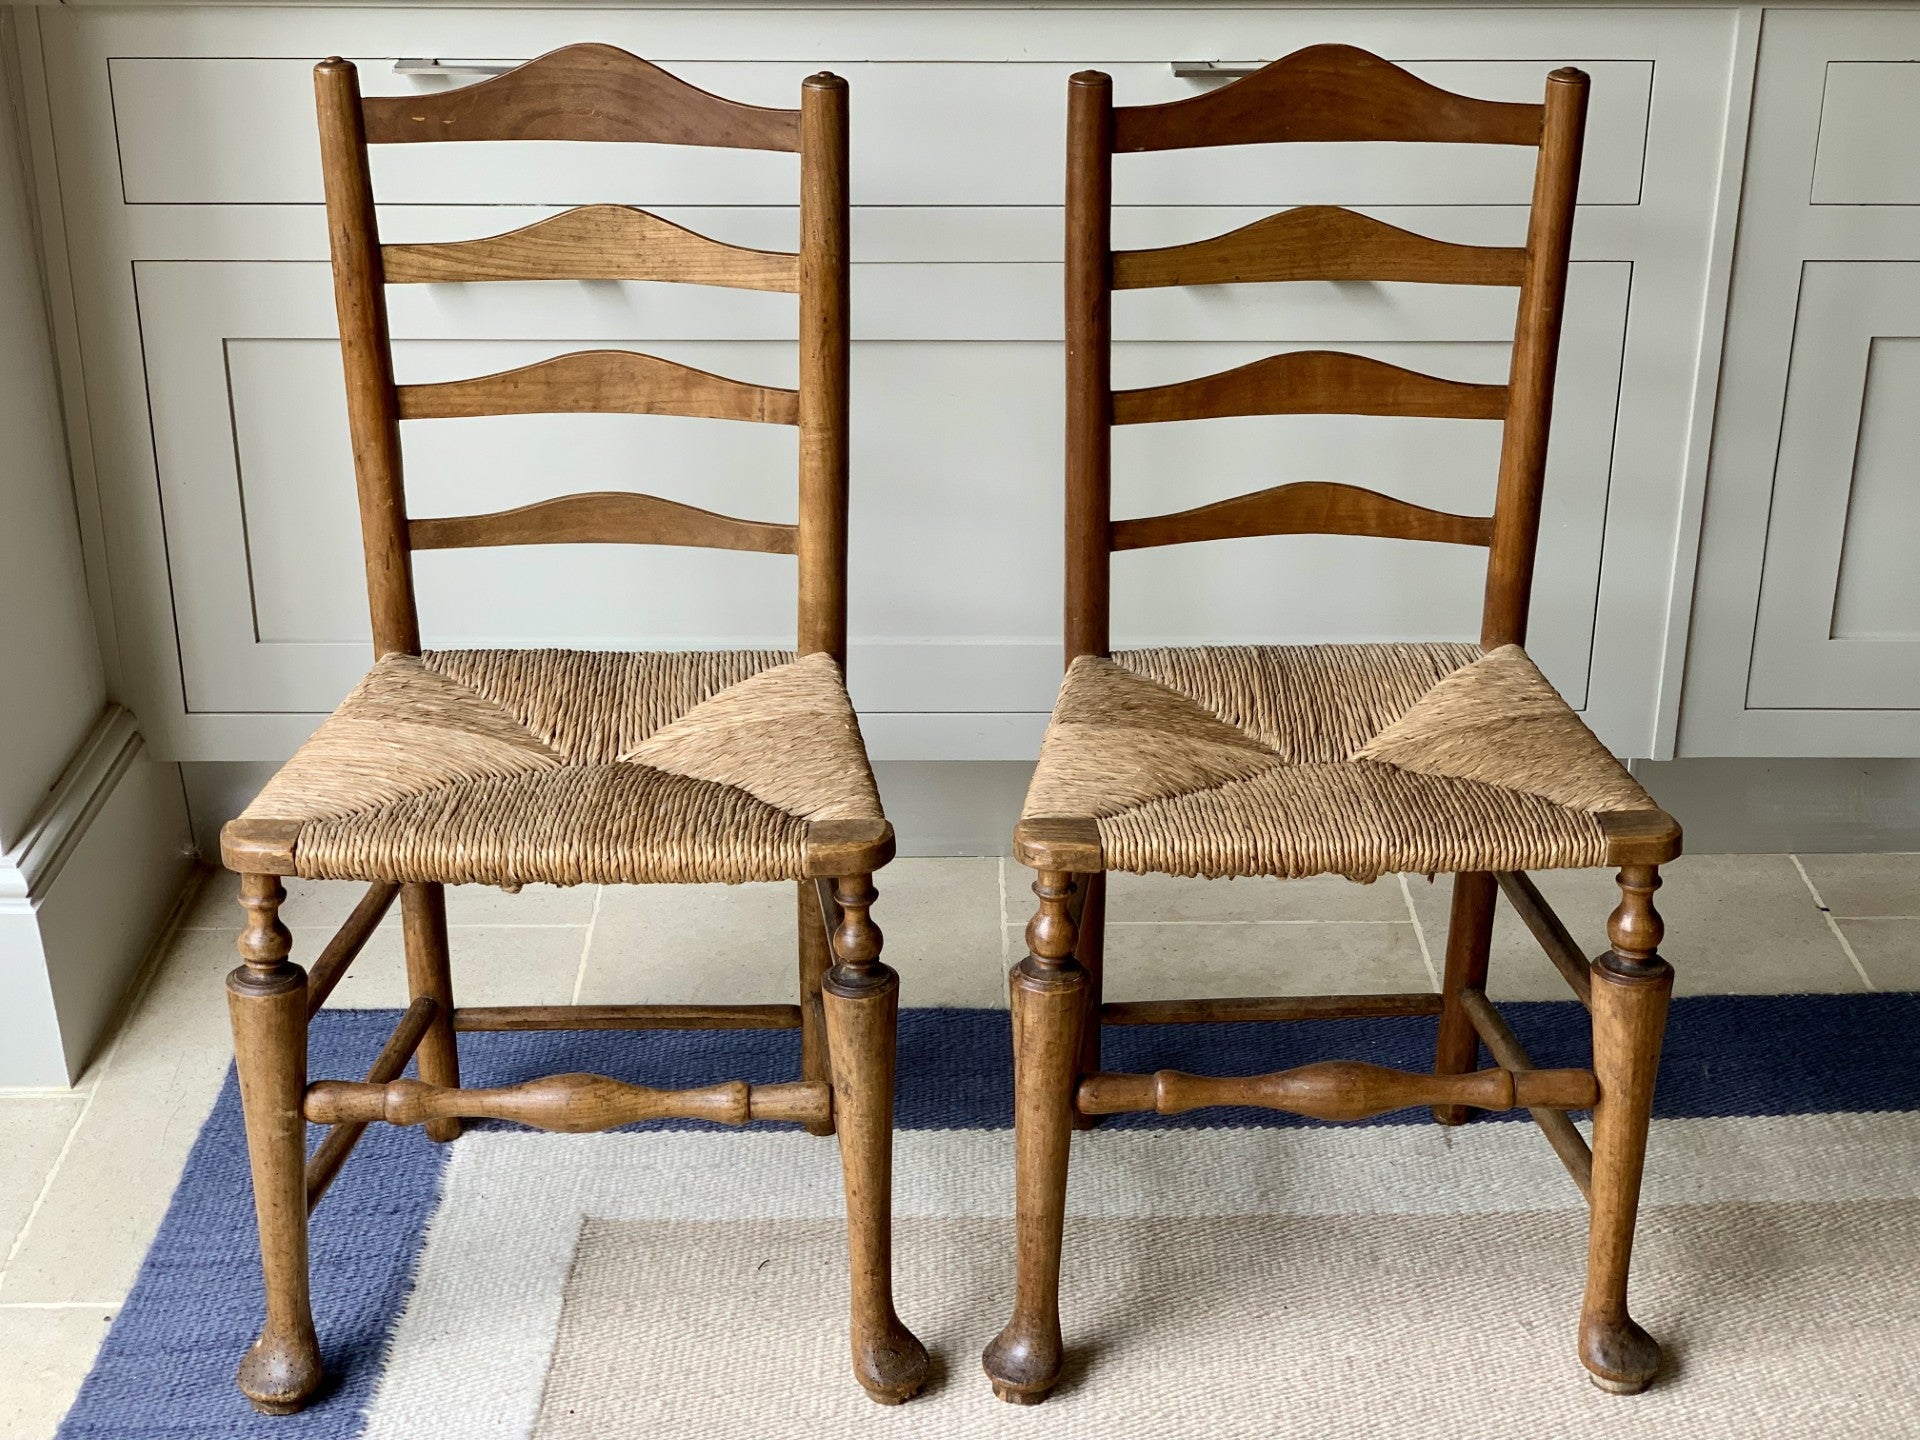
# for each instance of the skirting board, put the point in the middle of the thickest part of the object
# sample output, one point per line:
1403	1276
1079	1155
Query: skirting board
82	900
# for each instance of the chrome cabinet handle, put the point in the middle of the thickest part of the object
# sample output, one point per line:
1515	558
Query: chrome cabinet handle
1214	69
422	66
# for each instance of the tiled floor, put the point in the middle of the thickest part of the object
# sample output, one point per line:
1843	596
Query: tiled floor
85	1175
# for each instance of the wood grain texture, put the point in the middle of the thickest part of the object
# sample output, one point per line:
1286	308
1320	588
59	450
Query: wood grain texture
1325	92
1311	382
626	1017
1305	507
423	922
601	517
582	92
571	1104
1266	1007
594	242
1318	242
1554	937
1536	355
1507	1051
860	996
1631	988
1049	1000
601	382
1065	843
817	916
1640	837
267	1003
387	1065
848	847
1089	359
366	354
340	952
1335	1090
825	374
1456	1048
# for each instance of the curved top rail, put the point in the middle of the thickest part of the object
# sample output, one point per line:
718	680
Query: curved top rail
581	92
1325	92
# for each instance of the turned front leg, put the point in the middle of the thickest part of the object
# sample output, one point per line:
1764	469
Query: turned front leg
862	997
1049	997
267	999
1631	985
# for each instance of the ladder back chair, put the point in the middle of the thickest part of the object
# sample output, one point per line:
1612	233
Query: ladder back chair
1357	759
512	767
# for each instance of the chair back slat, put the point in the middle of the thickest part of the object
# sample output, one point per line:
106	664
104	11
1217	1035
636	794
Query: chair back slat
1318	242
594	242
1304	507
601	382
1325	93
583	92
605	517
1311	382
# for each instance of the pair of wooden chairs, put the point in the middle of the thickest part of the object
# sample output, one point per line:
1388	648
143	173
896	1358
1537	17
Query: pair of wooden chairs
567	767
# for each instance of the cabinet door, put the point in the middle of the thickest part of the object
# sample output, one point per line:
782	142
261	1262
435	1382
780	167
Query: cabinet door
1807	632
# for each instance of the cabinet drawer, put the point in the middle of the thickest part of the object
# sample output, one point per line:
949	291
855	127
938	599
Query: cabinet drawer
240	131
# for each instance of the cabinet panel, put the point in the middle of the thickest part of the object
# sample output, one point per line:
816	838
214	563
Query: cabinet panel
1839	617
1806	636
1867	109
240	131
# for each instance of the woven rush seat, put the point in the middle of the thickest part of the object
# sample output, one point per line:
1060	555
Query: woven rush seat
1354	760
570	767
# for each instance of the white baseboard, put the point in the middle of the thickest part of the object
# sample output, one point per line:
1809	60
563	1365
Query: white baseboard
82	898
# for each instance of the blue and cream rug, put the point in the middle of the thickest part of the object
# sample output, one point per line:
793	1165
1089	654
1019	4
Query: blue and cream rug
1228	1273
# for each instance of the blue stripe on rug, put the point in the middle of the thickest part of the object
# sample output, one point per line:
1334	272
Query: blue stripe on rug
166	1369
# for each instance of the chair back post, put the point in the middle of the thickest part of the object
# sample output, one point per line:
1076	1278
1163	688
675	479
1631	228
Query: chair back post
1536	350
372	408
1089	337
822	539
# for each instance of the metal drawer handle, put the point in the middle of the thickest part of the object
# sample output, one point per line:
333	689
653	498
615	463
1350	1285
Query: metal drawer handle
1214	69
422	66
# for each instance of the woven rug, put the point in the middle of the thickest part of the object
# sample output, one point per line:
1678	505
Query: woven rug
1228	1273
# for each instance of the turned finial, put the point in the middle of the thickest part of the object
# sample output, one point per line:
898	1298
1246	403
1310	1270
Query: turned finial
1051	934
1635	928
265	943
856	939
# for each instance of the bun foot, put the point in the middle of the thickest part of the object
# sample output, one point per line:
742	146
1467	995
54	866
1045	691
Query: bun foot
1024	1369
1620	1357
892	1370
278	1377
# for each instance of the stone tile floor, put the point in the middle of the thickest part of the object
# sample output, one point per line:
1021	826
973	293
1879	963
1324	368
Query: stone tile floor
85	1174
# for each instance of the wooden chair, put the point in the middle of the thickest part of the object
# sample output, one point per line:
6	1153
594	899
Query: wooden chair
502	767
1344	759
